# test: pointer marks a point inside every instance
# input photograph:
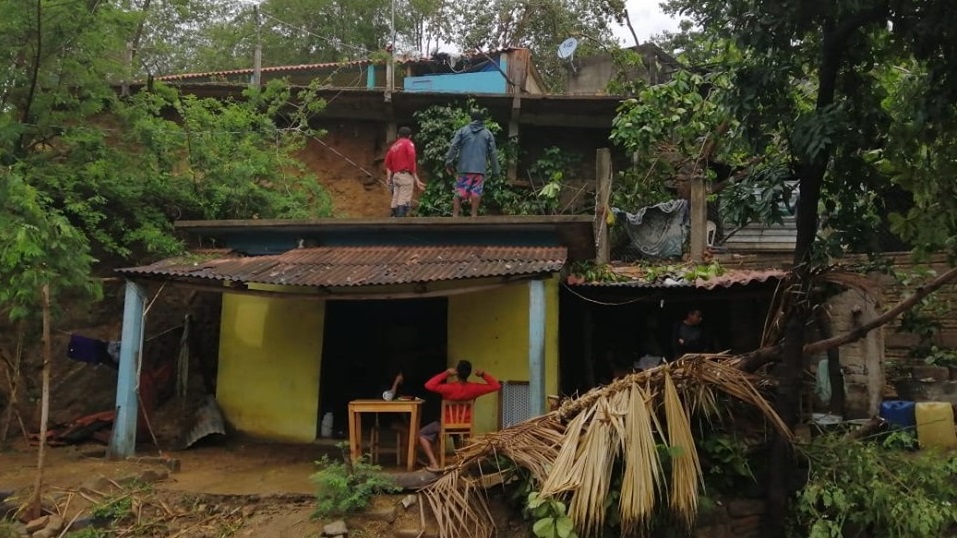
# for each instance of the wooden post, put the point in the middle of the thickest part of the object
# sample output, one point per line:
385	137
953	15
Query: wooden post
256	81
603	177
513	130
36	505
699	218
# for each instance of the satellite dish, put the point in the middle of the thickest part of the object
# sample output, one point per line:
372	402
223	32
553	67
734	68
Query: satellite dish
567	49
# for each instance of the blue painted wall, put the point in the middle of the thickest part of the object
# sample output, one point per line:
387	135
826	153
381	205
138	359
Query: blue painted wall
488	80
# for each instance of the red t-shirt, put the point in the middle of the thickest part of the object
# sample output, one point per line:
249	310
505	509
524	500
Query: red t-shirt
401	157
461	392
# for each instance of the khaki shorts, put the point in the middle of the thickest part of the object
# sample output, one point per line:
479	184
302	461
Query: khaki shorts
402	185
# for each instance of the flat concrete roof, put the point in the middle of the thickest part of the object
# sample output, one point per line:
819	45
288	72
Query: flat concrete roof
575	232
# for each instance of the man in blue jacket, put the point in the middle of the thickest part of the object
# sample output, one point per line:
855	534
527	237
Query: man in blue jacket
474	146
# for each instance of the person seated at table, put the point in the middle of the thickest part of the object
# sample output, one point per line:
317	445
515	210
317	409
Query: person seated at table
461	390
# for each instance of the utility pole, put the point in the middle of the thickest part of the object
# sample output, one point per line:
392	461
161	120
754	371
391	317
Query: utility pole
258	54
390	67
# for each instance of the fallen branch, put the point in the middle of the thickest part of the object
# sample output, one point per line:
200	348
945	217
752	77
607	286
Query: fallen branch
754	360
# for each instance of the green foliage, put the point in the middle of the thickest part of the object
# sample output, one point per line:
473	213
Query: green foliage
548	173
727	462
900	440
38	246
436	126
341	492
941	357
113	509
7	530
550	517
866	489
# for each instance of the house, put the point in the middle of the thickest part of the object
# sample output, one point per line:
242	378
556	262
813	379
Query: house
507	71
592	74
316	313
362	114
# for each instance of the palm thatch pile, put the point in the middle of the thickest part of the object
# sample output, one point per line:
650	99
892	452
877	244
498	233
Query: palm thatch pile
571	453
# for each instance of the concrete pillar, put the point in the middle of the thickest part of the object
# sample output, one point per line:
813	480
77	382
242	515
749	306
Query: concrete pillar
123	442
536	347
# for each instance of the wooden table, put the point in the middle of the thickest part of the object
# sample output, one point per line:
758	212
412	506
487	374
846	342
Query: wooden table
357	407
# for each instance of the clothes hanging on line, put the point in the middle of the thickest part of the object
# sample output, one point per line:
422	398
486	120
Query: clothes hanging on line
93	351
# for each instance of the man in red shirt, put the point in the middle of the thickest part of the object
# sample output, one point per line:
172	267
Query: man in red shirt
461	390
401	176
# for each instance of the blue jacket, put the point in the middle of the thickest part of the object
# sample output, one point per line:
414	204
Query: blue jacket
474	146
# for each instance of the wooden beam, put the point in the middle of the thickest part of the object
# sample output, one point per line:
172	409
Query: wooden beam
513	124
603	176
699	218
576	121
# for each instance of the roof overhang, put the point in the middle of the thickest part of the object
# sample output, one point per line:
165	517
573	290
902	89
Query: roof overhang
574	233
357	272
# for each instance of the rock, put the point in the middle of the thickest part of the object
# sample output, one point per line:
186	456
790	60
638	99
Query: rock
386	515
98	485
37	524
248	511
336	528
149	476
414	533
54	525
745	507
409	501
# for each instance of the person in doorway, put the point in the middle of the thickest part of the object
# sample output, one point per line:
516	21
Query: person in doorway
460	390
690	335
401	175
472	150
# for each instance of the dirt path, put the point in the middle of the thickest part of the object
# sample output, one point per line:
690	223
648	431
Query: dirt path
238	489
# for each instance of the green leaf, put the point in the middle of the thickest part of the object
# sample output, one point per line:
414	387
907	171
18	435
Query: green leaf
544	528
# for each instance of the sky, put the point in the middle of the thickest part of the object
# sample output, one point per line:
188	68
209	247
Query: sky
648	20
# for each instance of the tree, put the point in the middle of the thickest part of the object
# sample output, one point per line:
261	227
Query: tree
809	79
85	172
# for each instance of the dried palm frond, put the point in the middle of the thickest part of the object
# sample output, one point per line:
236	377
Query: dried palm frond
685	466
571	453
457	503
599	446
641	480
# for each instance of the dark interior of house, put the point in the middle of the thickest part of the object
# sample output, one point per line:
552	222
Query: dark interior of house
604	334
367	343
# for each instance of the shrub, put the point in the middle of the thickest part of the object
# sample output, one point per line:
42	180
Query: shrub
341	491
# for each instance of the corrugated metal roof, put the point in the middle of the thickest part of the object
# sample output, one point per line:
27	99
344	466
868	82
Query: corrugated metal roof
362	266
272	69
729	278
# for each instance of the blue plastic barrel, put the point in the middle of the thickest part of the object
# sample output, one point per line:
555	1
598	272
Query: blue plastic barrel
899	413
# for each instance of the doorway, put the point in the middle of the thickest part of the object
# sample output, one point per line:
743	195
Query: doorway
367	343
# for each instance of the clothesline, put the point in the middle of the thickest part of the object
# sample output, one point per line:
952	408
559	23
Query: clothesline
150	339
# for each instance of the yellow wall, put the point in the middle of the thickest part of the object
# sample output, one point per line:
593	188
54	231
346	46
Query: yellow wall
270	353
490	329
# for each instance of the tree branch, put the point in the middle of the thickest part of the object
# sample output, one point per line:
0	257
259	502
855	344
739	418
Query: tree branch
754	360
883	319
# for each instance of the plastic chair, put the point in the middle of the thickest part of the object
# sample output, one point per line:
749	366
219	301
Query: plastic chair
712	232
456	422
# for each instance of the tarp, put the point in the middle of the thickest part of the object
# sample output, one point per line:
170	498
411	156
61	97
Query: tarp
657	231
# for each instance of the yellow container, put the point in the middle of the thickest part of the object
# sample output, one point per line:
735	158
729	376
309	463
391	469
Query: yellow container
935	425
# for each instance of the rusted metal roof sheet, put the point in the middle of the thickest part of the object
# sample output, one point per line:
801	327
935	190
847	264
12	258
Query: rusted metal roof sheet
730	278
311	67
271	69
362	266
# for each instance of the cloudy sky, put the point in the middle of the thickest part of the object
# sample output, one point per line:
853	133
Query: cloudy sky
648	20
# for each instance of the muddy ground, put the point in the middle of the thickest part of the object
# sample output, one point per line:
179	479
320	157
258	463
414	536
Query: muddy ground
238	488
